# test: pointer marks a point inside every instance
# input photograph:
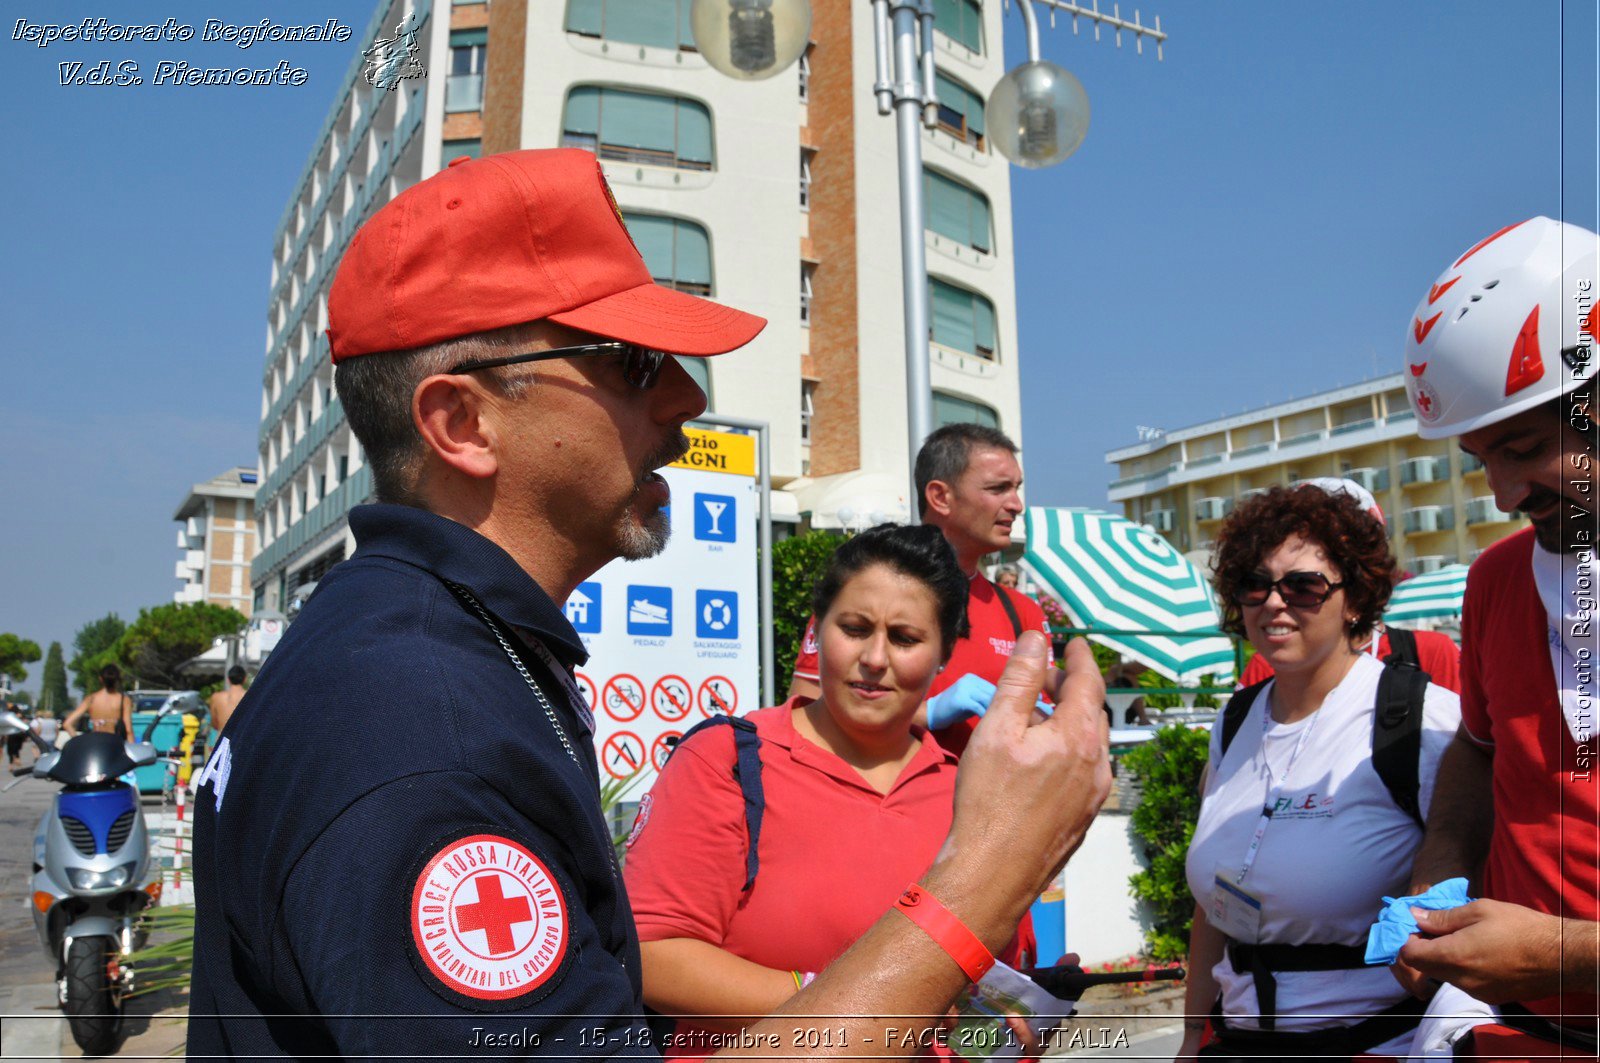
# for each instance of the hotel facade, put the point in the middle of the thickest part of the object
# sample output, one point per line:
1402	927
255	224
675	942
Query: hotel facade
1437	501
777	196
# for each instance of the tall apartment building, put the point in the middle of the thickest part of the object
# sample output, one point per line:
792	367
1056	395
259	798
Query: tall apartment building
218	540
778	197
1437	501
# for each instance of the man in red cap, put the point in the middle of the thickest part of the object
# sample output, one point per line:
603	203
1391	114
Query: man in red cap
446	881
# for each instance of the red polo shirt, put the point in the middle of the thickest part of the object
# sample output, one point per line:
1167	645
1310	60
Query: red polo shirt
835	853
1544	852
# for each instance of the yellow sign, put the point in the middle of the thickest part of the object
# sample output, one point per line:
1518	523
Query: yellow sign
727	452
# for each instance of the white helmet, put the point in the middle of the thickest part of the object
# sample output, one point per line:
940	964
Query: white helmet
1508	326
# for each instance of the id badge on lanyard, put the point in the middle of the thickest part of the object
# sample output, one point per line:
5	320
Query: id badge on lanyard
1233	908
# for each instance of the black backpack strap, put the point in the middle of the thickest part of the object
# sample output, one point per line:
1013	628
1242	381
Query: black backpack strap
1397	733
1402	647
747	772
1011	610
1238	708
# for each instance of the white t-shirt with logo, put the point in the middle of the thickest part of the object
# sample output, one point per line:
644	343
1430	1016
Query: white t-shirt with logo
1336	846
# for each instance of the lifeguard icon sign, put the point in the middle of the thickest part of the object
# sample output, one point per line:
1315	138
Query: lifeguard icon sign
659	631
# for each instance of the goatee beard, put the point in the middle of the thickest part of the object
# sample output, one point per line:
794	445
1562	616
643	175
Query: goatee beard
646	538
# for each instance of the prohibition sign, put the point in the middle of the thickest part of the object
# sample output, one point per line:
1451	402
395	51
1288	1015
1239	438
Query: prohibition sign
717	695
623	755
624	698
585	687
662	749
671	699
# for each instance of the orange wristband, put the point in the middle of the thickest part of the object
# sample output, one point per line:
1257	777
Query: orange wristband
948	932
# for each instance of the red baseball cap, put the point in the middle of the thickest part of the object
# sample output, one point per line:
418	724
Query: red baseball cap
507	239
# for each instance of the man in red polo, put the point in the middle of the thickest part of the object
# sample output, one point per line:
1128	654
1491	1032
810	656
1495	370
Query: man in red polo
1500	356
968	486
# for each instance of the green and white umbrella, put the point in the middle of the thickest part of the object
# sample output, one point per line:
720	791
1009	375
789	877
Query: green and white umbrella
1116	576
1433	594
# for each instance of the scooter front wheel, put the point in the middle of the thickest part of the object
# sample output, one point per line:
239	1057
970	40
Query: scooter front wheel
93	1010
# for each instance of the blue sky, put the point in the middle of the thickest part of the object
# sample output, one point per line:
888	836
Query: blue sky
1251	219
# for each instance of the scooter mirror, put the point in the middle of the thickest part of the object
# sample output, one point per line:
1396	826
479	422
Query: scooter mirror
141	753
46	764
12	724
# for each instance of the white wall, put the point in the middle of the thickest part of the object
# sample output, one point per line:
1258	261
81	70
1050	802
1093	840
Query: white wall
1103	921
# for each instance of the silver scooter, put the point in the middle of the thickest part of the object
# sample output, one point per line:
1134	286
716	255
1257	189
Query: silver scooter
90	857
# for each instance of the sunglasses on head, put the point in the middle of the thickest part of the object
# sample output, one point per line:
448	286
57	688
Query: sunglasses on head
641	366
1300	590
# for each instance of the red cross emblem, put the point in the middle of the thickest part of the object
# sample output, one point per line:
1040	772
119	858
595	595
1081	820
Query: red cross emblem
488	919
494	913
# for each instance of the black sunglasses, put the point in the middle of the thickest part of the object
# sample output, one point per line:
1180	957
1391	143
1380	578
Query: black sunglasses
641	366
1299	590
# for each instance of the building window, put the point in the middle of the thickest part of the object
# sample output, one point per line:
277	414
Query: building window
962	320
322	485
960	110
961	21
808	391
805	179
638	127
344	467
805	72
948	409
652	23
455	149
805	295
675	250
464	89
957	211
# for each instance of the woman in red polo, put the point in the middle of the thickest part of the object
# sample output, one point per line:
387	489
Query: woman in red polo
856	801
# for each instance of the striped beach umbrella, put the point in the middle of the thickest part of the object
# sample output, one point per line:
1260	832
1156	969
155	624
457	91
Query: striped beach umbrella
1131	589
1434	594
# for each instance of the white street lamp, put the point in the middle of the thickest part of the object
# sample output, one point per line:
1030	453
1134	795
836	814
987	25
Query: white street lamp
1038	114
751	40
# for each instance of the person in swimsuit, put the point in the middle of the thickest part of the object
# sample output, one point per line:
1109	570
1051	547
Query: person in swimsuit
108	708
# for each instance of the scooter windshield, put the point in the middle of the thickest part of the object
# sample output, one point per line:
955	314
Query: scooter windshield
91	758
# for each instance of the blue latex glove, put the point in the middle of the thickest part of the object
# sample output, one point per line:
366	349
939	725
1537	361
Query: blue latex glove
1395	922
968	696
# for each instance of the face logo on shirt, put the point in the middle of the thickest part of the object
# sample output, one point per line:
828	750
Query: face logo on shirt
488	919
639	820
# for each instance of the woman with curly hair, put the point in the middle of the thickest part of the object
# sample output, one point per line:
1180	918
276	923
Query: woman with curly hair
1299	838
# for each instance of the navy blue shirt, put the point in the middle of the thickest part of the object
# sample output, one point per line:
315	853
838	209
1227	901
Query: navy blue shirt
399	848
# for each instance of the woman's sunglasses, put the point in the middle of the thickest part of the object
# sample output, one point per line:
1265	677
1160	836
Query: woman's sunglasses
1299	590
640	365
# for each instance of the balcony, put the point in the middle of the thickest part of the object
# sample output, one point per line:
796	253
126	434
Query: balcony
1372	479
1482	510
1161	520
195	559
1207	509
1425	519
1250	492
1424	470
1354	426
1431	563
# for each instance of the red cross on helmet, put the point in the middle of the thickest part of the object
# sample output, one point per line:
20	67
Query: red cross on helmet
1509	325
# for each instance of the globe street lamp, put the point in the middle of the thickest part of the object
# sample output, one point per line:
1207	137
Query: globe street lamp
751	40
